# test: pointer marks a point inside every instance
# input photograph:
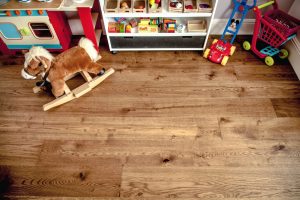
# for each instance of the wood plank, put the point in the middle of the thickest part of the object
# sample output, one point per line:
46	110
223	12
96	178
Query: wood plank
207	182
286	107
155	107
79	180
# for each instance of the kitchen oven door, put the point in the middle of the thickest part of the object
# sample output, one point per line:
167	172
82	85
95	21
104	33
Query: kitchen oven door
23	32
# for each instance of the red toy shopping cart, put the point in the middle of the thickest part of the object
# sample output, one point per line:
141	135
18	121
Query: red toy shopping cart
275	28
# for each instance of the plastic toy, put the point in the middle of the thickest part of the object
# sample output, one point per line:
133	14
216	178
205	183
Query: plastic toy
133	23
128	28
55	71
222	49
275	28
112	27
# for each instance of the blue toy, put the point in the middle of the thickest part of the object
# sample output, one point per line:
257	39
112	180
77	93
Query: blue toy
222	49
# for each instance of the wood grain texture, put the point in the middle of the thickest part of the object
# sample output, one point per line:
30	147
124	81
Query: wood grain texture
165	125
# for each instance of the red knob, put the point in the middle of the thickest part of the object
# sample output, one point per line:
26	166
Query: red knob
28	12
8	13
17	12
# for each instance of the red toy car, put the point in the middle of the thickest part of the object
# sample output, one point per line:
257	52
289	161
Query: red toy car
219	52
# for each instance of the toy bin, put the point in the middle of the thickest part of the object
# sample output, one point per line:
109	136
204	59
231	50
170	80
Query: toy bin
277	26
174	6
196	26
111	6
158	9
139	6
190	6
204	6
125	6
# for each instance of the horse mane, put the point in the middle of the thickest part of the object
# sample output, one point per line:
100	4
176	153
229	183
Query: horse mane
35	52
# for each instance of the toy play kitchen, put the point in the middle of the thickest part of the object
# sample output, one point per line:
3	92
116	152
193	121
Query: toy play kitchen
274	29
41	23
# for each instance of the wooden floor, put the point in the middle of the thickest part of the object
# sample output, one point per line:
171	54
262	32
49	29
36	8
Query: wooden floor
166	125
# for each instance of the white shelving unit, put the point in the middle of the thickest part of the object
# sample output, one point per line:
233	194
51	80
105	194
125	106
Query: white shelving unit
158	41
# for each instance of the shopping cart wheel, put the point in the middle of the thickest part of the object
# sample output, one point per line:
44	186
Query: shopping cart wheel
283	54
232	50
224	60
246	45
206	52
269	61
215	40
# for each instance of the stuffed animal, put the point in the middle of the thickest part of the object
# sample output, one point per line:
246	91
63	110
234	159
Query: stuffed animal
39	62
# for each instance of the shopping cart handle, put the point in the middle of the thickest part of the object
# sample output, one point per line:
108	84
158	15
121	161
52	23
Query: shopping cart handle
265	4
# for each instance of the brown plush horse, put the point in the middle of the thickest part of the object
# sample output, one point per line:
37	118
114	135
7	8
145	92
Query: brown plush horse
39	62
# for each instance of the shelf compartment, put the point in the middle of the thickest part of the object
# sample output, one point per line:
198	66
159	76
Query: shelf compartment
123	3
196	26
193	3
175	9
157	10
137	6
204	9
131	42
111	6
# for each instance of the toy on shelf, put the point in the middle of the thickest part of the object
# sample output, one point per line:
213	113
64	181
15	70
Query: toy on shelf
128	28
175	5
221	49
147	26
155	6
120	19
180	28
55	71
139	6
133	23
190	6
275	28
204	5
112	27
169	25
125	6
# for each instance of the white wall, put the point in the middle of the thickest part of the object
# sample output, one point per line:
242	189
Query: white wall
294	46
224	9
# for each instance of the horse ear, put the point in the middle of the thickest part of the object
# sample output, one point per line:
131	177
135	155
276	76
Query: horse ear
46	62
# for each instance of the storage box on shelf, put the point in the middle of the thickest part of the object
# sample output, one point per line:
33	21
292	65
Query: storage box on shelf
190	6
125	6
204	6
175	6
111	6
196	26
154	6
139	6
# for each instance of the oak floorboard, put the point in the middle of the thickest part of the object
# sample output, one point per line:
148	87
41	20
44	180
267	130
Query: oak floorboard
165	125
286	107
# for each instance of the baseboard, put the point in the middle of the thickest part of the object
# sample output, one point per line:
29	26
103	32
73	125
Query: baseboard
294	55
218	26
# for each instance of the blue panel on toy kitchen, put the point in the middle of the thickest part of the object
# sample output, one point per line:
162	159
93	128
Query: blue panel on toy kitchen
10	31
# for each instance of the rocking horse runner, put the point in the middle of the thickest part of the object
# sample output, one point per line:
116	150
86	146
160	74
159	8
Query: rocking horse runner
54	71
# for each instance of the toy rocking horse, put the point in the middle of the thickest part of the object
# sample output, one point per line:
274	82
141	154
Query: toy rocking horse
56	70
